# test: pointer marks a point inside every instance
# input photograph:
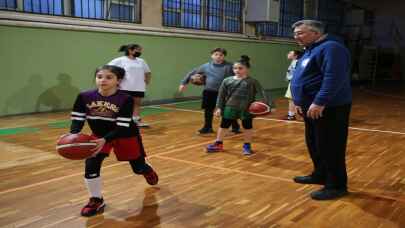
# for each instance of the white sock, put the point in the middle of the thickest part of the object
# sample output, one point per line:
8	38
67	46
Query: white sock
136	118
291	113
94	187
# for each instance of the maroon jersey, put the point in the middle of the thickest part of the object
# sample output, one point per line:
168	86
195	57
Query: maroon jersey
109	117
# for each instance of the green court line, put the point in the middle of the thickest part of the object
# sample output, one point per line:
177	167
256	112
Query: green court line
194	105
60	124
147	111
18	130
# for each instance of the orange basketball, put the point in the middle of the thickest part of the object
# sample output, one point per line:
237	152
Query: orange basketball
75	146
258	108
198	79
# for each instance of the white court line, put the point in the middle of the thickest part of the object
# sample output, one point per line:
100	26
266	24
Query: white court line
287	121
162	156
379	131
68	119
109	166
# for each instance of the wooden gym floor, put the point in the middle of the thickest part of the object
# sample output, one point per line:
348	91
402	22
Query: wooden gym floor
40	189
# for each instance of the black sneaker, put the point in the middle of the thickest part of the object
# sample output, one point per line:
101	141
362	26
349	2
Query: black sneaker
308	180
329	193
93	207
205	130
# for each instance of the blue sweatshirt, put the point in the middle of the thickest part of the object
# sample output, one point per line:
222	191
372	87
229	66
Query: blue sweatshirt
322	75
215	74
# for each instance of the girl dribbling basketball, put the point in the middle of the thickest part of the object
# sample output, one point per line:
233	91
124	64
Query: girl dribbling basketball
108	112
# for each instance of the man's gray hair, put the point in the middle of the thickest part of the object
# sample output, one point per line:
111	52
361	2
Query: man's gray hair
316	26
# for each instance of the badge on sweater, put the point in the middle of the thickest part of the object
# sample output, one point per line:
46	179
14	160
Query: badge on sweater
305	62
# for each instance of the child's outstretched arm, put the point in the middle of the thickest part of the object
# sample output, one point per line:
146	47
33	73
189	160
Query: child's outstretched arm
187	78
78	116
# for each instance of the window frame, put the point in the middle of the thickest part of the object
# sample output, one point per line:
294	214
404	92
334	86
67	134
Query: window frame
68	9
135	4
6	8
204	14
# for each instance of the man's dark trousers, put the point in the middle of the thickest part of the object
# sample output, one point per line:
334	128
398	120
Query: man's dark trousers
326	139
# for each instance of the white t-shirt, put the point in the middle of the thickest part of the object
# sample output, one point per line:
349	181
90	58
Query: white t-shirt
135	70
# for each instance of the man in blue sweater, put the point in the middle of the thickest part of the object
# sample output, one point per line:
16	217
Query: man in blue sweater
322	93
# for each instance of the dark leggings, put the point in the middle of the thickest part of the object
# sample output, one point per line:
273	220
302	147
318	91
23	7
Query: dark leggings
209	101
209	115
93	166
246	123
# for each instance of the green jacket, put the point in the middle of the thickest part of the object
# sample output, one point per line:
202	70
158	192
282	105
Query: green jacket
240	93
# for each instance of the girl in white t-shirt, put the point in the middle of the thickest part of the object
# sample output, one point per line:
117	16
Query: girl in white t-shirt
137	76
293	56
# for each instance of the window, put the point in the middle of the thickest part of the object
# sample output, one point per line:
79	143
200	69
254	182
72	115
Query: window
290	12
171	13
182	13
267	29
191	16
52	7
331	12
214	15
117	10
89	9
233	12
122	12
8	4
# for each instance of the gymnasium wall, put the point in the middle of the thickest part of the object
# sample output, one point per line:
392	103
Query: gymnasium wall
44	69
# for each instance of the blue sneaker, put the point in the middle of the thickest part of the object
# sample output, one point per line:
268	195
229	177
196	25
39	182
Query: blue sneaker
247	150
215	147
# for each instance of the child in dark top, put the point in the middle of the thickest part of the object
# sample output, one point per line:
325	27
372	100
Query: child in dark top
215	72
235	96
108	112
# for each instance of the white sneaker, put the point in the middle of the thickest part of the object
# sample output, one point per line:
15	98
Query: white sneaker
141	123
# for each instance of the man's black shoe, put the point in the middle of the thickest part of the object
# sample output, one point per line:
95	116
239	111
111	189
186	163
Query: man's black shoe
308	180
329	194
205	130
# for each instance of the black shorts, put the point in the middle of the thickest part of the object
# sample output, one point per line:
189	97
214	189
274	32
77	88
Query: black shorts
134	93
209	99
246	123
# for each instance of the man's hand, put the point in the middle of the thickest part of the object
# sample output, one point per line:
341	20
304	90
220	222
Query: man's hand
315	111
99	145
